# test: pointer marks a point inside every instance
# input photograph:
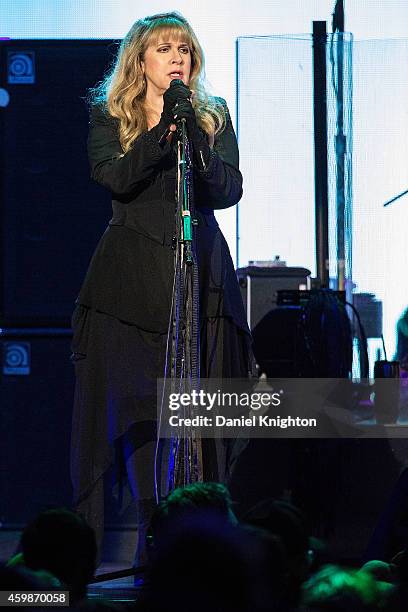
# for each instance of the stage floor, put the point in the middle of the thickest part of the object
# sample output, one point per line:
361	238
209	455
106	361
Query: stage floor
120	590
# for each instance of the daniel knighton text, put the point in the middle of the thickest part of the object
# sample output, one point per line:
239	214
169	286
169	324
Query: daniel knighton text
253	420
255	403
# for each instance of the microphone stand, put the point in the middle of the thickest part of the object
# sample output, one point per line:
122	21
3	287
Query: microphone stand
183	192
185	464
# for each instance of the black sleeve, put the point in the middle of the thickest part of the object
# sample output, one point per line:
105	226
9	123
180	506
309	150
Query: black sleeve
121	172
219	182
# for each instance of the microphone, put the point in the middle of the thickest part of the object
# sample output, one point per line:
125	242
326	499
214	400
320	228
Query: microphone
176	82
163	138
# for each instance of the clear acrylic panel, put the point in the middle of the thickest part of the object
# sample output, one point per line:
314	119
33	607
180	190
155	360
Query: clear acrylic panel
275	128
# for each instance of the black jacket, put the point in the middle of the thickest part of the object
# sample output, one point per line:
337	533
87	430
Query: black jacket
131	273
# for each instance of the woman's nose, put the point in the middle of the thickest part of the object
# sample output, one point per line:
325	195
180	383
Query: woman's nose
177	57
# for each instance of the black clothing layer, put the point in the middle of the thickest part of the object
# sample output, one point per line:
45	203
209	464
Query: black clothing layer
117	365
120	322
131	272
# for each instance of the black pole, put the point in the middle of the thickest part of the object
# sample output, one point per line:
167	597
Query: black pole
320	151
338	26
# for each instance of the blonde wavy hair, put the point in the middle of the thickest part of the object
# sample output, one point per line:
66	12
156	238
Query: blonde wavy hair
123	90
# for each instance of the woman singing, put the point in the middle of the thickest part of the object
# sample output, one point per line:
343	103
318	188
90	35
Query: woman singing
121	320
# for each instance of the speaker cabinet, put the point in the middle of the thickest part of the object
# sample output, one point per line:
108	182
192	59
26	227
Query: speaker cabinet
37	383
51	214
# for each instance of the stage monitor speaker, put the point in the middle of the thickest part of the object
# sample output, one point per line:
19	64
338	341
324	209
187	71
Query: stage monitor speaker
260	285
52	214
37	384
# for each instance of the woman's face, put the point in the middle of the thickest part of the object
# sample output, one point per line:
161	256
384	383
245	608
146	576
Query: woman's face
167	59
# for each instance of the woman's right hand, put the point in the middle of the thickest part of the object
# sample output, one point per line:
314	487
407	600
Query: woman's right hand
171	96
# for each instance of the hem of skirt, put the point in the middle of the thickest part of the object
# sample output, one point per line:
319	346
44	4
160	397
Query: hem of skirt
86	493
111	312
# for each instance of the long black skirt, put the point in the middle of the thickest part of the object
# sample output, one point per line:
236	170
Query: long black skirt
117	365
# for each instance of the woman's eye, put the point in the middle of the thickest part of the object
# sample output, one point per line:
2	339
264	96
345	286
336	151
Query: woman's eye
183	50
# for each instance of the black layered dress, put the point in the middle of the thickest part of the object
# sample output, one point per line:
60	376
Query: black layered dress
121	318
